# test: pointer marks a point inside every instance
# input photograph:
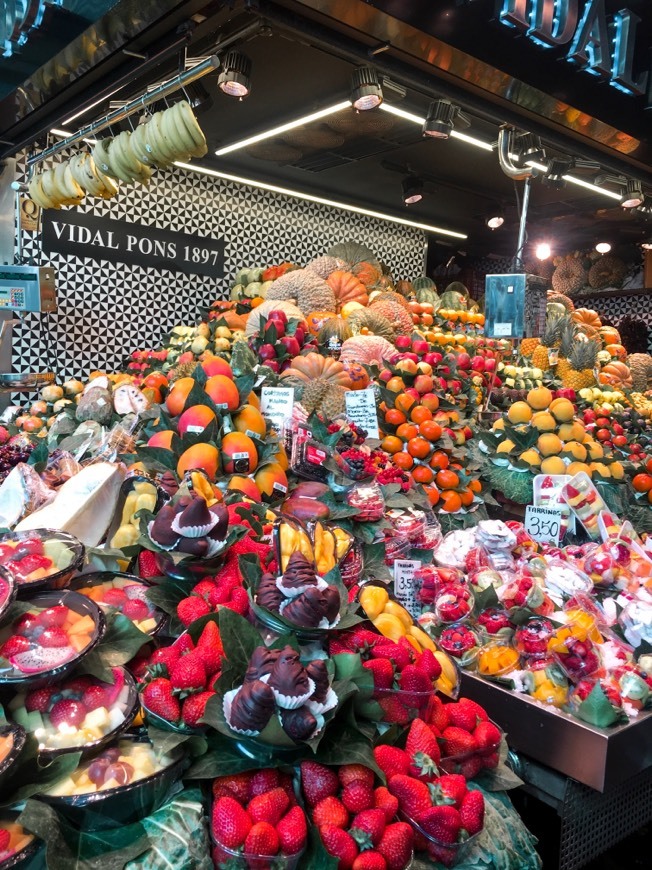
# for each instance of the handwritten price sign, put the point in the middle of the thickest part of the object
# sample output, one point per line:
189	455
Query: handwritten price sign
543	524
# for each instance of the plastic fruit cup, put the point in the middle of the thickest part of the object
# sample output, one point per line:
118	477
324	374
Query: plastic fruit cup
12	741
497	658
494	623
99	585
64	552
22	846
461	643
236	859
580	660
454	603
447	854
7	590
351	566
531	638
546	684
400	707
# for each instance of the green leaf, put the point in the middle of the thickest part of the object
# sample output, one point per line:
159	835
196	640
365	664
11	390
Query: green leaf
250	569
168	592
239	639
158	458
245	385
40	777
316	857
39	456
597	709
345	745
121	642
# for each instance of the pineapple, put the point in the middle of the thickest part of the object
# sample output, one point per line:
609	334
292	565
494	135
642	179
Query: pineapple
566	345
582	360
550	338
528	346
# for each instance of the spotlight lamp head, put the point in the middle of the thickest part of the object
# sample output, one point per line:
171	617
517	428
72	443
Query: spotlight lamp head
366	92
412	190
495	217
543	251
530	148
633	195
603	247
646	244
441	118
235	76
558	167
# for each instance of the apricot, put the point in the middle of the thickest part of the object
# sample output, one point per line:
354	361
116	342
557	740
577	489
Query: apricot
544	422
217	366
250	421
271	481
195	419
520	412
572	431
245	485
162	439
549	444
539	398
238	453
563	410
553	465
179	392
423	384
223	392
204	457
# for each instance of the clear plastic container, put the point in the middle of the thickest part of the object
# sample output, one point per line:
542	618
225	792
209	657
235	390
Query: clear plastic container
235	859
497	658
531	639
454	603
585	502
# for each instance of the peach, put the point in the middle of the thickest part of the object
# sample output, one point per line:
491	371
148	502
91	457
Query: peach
271	481
239	453
223	392
245	485
423	384
195	419
33	424
407	365
204	457
217	366
162	439
179	392
250	421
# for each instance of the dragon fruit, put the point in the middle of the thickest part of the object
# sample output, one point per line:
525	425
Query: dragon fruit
42	659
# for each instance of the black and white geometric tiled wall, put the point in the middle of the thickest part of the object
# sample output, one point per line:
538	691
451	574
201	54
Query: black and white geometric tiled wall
106	310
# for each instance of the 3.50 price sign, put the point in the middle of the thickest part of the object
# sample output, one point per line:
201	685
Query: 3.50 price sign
543	524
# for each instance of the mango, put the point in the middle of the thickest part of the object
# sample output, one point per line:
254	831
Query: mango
398	610
424	641
389	625
305	509
373	600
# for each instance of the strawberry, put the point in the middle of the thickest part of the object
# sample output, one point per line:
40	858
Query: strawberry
457	741
449	789
164	657
391	760
423	749
394	711
439	714
147	567
487	736
239	601
5	838
54	637
413	795
480	712
382	671
472	812
262	839
264	780
390	650
15	645
370	860
429	665
292	831
471	766
204	588
358	796
386	802
231	822
184	644
286	782
219	596
355	640
115	597
210	650
330	811
415	681
269	807
67	712
239	785
352	772
135	609
340	845
462	716
193	708
443	854
39	699
53	616
188	674
94	697
368	827
491	760
443	823
191	608
396	845
318	782
158	698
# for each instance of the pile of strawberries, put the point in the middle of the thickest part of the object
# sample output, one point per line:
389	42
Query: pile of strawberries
256	814
180	678
356	821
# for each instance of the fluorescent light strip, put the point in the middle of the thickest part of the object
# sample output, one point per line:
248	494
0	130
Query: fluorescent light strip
65	134
416	119
310	198
92	106
283	128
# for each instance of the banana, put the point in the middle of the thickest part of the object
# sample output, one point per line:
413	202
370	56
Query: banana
150	144
127	157
159	142
75	192
101	156
186	115
175	136
51	189
78	167
120	169
110	188
138	146
36	193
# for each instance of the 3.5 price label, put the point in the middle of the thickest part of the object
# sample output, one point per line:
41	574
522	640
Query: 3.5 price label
543	524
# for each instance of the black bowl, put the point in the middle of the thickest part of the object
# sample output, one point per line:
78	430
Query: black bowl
15	679
95	578
13	755
28	858
60	579
6	577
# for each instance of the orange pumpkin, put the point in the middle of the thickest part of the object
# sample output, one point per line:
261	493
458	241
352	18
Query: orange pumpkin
358	374
618	374
233	320
316	319
313	366
617	350
609	335
347	288
587	317
366	273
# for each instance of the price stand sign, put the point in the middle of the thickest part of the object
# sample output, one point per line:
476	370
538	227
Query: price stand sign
544	524
406	588
361	410
277	404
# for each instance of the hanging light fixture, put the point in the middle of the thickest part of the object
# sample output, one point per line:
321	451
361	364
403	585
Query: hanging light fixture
235	77
412	190
366	92
441	118
557	168
633	195
530	148
495	217
543	251
603	247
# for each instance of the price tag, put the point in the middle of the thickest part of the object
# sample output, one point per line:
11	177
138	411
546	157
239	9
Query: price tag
277	404
406	588
503	329
543	524
361	410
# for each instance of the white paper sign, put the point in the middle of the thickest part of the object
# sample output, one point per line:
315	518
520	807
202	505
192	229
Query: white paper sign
277	404
503	329
361	410
406	588
543	524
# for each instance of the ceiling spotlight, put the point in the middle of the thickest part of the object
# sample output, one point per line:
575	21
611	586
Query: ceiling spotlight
366	92
647	244
495	217
412	190
530	148
543	251
235	77
441	119
633	195
557	168
603	247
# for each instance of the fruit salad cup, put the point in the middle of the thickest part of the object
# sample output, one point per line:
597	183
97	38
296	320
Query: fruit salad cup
531	639
493	623
124	592
547	684
497	658
580	659
12	742
462	643
41	559
369	501
16	844
454	603
7	590
48	640
434	580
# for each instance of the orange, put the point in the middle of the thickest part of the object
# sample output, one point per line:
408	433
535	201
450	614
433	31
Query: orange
404	403
430	430
642	482
403	461
447	479
433	494
407	431
450	501
466	497
420	414
394	417
439	459
391	444
419	447
423	474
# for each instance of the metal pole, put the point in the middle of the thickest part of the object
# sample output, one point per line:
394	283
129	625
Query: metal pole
521	227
